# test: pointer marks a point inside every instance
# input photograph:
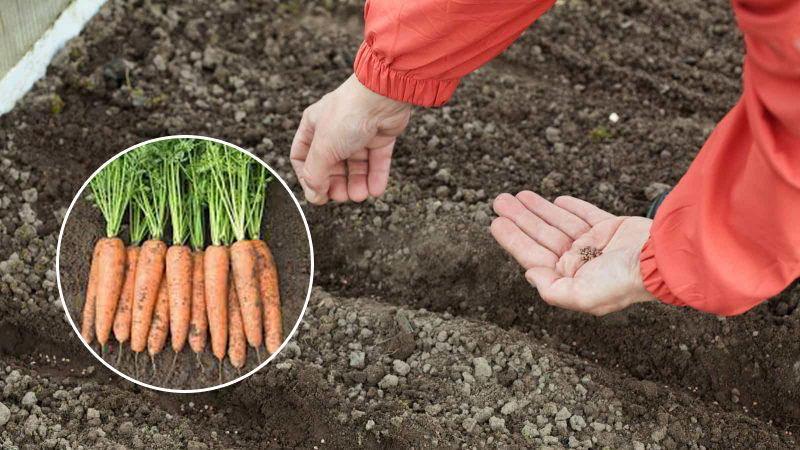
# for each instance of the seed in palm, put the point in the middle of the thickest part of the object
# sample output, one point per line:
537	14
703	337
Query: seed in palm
589	253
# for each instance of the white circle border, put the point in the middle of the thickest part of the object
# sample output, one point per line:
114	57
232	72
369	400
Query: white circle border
211	388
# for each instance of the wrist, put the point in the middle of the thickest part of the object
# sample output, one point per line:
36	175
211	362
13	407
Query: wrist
373	103
639	292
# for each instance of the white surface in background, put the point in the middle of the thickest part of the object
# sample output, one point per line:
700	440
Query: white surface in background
34	64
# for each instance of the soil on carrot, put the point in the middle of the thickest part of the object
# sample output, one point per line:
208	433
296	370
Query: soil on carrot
288	242
424	333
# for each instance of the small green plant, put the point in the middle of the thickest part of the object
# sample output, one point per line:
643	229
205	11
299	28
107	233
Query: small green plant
56	104
600	134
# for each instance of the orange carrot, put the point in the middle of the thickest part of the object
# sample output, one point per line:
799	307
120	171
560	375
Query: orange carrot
270	294
237	344
111	270
179	286
122	319
90	304
147	282
216	284
198	325
245	276
160	324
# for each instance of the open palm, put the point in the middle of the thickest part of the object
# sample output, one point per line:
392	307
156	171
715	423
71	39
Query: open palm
578	256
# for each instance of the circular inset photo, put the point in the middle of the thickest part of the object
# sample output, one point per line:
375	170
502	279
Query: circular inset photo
184	264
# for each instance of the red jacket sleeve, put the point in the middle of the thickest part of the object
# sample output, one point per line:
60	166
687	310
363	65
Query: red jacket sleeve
416	51
728	236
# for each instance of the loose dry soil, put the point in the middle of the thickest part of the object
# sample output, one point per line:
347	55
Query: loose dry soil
422	332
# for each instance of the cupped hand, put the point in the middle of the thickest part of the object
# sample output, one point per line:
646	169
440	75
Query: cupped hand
343	147
578	256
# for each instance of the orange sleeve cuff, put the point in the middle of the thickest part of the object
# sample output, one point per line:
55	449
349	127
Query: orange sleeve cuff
373	72
651	277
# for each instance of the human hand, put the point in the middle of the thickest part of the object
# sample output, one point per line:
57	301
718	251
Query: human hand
343	147
558	245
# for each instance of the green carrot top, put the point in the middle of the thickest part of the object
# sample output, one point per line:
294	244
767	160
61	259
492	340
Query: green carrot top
151	188
136	228
197	198
230	172
177	157
111	189
218	222
258	195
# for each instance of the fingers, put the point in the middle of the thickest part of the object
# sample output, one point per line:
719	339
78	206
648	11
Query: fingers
300	147
568	223
338	188
318	169
527	252
310	162
357	170
380	160
588	212
324	176
552	238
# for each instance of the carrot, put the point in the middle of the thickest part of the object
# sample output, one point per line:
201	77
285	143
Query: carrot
198	325
122	319
150	195
159	327
270	292
124	314
89	304
233	177
179	256
179	285
216	261
243	265
111	270
216	284
198	322
237	348
147	282
111	189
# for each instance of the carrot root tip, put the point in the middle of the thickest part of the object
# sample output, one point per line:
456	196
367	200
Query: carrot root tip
172	368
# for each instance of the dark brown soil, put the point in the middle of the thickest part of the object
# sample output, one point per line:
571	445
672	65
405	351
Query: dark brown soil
288	241
537	118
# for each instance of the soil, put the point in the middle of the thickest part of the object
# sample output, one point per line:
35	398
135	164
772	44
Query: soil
288	241
422	333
